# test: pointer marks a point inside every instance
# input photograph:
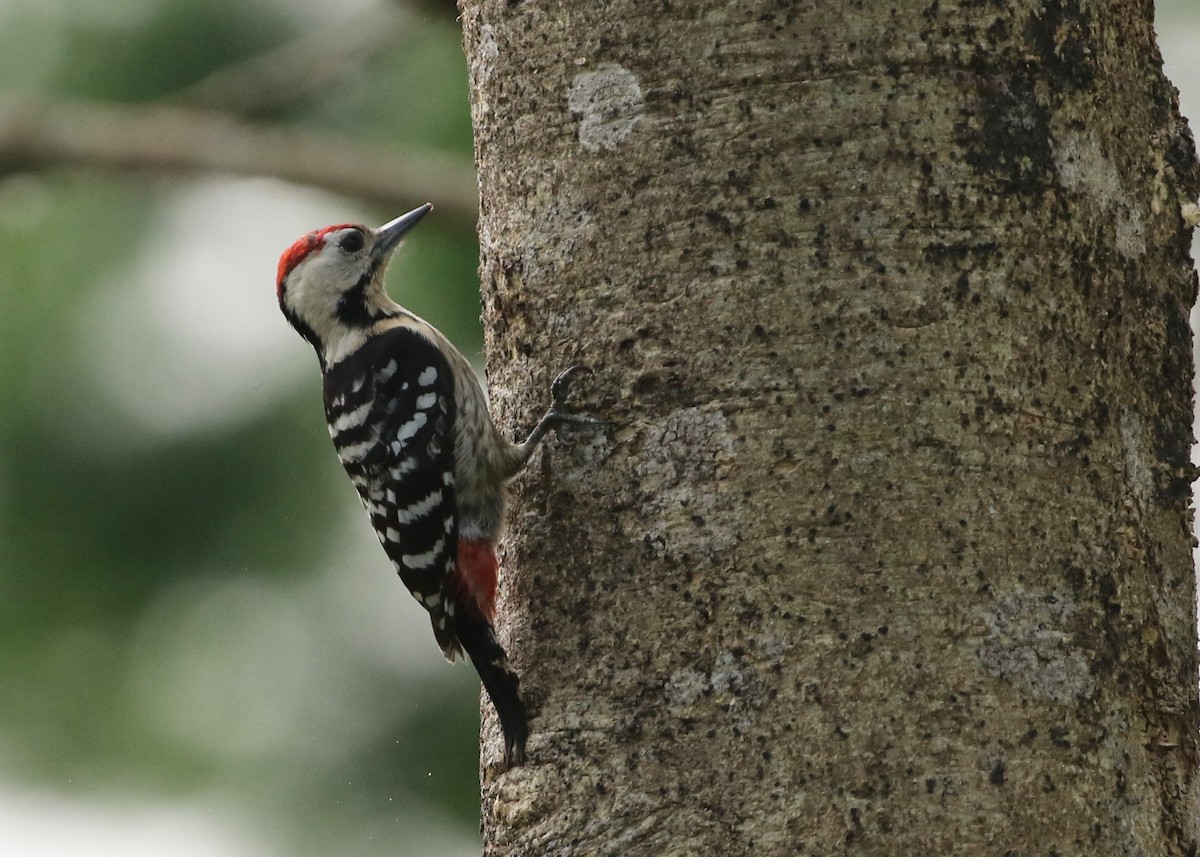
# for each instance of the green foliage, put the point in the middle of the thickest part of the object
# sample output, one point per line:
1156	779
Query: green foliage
176	44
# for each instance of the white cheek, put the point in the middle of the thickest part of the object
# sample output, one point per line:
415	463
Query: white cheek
314	293
311	302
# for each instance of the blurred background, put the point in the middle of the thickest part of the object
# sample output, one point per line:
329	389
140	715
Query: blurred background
202	649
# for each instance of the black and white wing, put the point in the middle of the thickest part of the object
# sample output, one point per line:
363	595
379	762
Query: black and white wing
391	413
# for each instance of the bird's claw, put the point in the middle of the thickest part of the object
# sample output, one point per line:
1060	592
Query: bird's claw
560	418
560	413
560	389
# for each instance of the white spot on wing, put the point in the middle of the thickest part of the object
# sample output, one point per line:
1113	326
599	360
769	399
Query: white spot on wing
419	509
427	377
355	451
411	427
404	467
423	560
352	419
386	373
426	401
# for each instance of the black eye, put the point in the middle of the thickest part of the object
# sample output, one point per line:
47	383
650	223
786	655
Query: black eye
351	242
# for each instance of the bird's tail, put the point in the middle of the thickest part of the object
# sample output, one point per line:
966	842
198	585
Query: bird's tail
478	639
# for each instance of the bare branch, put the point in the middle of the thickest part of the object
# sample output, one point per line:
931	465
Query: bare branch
40	134
306	65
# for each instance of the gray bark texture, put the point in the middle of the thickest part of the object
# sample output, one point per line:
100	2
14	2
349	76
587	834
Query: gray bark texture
888	551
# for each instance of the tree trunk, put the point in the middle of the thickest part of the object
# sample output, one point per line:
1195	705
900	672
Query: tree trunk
888	550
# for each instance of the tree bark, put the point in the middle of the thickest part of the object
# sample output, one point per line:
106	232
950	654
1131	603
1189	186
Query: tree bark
889	549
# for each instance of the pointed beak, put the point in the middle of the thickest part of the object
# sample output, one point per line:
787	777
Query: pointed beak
389	235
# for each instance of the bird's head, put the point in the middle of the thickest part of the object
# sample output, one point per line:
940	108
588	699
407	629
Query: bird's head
330	282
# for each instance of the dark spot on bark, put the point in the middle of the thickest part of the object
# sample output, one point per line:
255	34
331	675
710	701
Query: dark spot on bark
996	777
1014	144
821	252
1106	586
1181	154
654	236
646	384
863	646
962	287
1062	37
938	252
719	220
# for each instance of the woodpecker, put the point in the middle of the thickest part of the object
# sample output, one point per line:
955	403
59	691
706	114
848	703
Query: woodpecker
411	426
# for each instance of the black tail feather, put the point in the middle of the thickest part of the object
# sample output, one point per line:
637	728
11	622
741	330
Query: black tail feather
501	682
